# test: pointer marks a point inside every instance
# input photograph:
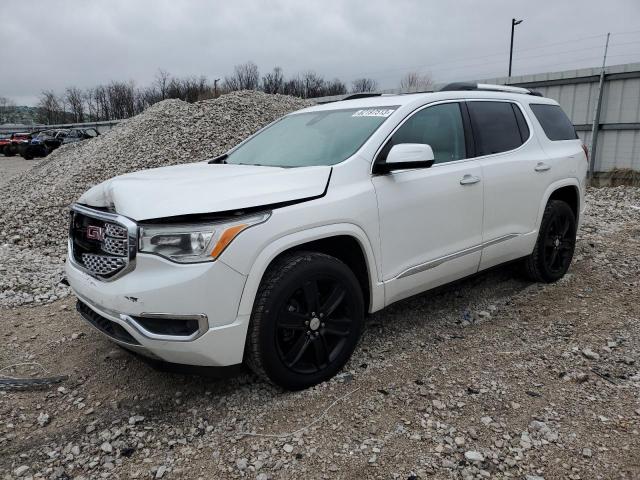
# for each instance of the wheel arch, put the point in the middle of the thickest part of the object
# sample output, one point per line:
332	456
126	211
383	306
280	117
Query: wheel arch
567	190
346	242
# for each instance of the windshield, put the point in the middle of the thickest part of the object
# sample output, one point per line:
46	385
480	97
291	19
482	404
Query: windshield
314	138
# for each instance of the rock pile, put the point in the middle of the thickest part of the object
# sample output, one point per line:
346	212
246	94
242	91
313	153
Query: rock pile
33	207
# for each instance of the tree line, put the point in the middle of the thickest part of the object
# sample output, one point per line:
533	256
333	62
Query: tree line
118	100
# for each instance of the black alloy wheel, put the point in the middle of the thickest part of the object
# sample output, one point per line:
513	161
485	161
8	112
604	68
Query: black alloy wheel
555	245
559	243
313	324
306	322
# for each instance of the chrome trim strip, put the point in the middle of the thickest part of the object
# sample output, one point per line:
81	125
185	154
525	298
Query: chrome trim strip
130	225
452	256
500	239
203	326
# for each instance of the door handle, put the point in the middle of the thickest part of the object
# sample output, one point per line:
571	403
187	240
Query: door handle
469	180
542	167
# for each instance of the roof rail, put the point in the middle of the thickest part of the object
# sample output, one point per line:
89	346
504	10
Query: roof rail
355	96
487	87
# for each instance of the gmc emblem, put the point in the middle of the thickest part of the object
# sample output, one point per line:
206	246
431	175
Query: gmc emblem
95	233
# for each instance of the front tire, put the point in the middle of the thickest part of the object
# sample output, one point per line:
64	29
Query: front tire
306	320
556	243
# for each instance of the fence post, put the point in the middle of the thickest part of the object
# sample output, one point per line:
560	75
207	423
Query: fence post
596	115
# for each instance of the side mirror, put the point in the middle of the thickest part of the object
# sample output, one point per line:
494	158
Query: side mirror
404	156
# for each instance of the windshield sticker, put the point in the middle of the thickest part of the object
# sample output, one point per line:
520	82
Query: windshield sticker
374	112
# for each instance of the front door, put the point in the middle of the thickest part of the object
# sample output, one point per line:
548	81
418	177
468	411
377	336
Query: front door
430	218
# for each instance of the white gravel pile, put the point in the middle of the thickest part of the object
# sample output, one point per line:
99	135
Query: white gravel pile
33	206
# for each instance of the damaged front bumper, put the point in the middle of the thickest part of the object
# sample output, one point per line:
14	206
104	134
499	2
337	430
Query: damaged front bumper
184	314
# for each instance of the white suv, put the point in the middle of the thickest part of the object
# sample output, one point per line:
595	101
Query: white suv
273	253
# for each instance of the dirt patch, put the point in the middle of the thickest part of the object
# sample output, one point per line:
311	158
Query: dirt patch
12	166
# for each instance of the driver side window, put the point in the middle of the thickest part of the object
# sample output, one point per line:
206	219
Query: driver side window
439	126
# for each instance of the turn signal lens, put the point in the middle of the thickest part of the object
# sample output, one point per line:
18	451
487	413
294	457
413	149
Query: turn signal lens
225	239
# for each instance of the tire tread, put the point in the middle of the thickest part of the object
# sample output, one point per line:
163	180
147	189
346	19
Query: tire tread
533	263
274	274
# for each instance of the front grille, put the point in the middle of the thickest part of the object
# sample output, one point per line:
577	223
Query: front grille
115	231
115	246
106	326
99	244
102	264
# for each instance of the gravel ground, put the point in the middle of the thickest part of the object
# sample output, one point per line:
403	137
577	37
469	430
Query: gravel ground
12	166
492	377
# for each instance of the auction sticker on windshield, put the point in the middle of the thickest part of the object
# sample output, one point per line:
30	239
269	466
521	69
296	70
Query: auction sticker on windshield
374	112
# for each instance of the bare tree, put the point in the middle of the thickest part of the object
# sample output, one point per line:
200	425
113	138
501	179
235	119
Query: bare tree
415	82
335	87
294	87
362	85
116	100
162	82
49	109
119	100
90	102
314	85
102	103
75	99
273	82
245	77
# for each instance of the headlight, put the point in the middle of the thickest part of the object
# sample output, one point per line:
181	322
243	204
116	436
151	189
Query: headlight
192	243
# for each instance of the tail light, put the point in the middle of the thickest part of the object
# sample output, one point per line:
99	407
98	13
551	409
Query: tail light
586	151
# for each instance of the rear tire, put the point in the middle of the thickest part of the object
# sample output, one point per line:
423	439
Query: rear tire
306	321
555	245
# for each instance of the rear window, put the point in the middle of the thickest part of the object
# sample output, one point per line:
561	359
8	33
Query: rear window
495	127
554	122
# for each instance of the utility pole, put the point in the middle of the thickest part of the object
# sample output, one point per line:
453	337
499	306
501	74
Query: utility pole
596	114
514	22
215	88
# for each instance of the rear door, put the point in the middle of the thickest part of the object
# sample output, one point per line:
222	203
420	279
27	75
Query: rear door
516	175
430	218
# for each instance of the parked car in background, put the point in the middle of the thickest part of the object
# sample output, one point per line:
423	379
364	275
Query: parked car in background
42	144
16	142
5	139
78	134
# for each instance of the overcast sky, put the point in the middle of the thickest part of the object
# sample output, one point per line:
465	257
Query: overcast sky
55	44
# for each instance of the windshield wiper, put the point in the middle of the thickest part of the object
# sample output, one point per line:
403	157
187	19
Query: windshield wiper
219	159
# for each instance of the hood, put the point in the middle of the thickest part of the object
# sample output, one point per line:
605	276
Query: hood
205	188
